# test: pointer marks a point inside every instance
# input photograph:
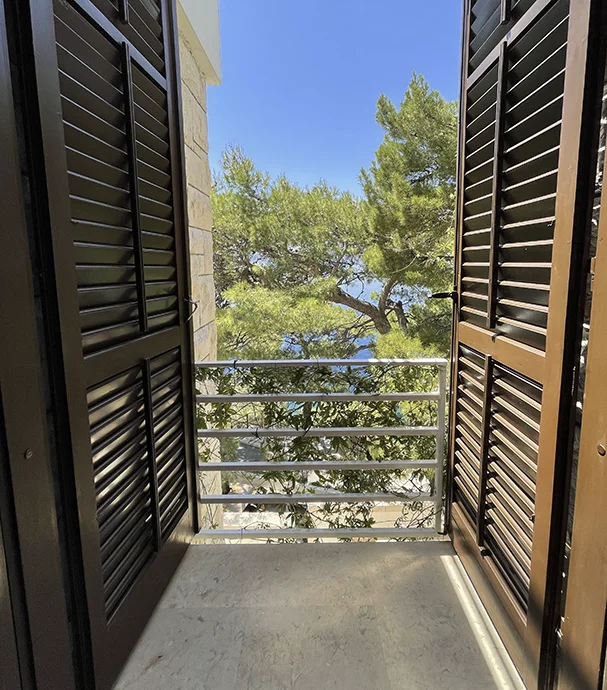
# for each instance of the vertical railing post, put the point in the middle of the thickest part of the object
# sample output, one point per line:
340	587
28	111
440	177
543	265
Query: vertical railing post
440	447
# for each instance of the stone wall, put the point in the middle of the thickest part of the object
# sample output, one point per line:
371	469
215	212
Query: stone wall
198	176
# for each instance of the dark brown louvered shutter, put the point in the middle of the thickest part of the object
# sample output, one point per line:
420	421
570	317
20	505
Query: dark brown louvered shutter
140	21
115	185
520	137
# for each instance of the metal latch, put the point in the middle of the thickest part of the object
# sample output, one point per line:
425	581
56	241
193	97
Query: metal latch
444	295
193	304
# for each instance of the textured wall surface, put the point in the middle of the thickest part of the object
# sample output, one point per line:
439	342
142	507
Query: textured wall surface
199	201
198	177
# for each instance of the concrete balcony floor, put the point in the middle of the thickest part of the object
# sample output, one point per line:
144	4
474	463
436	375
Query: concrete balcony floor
350	616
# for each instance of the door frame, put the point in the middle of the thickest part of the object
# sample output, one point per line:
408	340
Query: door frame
584	624
33	556
9	653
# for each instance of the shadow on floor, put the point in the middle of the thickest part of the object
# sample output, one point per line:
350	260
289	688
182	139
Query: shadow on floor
352	616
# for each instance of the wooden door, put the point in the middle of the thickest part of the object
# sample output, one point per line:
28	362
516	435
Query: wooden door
111	158
528	106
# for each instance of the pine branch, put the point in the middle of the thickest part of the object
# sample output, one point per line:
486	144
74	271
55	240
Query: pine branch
380	320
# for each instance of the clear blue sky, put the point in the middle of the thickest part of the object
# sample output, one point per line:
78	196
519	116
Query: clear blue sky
301	78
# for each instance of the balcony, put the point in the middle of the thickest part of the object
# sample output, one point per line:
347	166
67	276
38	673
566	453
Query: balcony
338	466
349	616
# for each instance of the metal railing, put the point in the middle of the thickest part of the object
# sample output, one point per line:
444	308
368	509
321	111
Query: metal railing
436	396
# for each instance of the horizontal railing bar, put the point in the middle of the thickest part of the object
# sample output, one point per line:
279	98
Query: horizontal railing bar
319	432
287	499
316	532
314	397
248	363
326	466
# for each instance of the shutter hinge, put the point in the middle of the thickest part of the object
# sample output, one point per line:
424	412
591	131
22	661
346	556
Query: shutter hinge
592	272
559	629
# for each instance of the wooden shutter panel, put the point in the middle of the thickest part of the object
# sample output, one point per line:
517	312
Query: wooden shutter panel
513	123
524	121
531	134
468	430
141	23
122	482
496	435
114	174
155	202
93	72
490	21
169	442
93	105
509	500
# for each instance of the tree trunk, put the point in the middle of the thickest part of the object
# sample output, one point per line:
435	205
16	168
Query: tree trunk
379	318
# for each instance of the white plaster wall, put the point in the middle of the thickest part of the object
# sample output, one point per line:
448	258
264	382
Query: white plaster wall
203	17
